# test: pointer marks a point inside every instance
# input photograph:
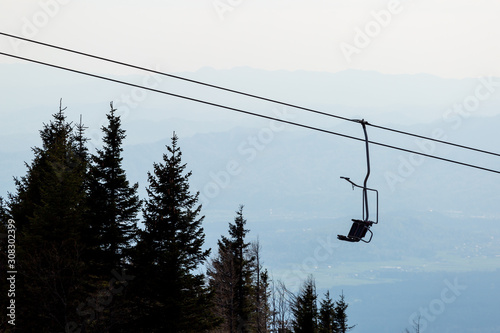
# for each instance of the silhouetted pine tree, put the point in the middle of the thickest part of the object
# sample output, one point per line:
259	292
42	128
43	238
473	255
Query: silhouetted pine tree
48	207
326	319
113	202
305	309
222	280
230	276
113	205
170	295
341	315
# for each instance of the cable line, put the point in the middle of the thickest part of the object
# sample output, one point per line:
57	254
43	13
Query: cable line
245	112
174	76
245	94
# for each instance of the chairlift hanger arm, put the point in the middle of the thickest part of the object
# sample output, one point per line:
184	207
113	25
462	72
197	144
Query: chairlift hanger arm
368	189
365	194
360	228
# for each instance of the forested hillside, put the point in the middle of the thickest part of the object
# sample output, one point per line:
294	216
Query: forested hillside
79	262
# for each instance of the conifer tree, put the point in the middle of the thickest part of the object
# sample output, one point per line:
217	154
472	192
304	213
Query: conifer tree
113	202
172	296
341	315
326	319
222	280
113	205
230	276
305	309
48	209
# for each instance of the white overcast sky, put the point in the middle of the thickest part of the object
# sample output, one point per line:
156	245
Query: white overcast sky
448	38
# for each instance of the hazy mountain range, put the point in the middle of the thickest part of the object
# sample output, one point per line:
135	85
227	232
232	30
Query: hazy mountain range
439	222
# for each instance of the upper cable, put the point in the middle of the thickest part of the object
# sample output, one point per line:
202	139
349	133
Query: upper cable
246	94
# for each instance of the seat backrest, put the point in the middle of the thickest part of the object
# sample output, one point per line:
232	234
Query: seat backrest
358	229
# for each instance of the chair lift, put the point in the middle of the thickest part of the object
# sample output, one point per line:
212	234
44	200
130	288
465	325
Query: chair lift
359	228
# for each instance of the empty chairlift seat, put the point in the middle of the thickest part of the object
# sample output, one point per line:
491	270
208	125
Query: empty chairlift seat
358	231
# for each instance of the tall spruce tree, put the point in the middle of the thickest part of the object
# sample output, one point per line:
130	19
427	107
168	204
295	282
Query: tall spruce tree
305	309
230	276
112	226
48	207
326	319
171	296
113	202
341	315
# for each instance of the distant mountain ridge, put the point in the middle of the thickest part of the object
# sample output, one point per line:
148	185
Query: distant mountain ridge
438	221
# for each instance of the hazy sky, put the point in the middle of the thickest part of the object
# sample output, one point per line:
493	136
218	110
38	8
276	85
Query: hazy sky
448	38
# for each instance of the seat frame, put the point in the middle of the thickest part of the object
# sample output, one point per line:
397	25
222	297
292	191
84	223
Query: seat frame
358	231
